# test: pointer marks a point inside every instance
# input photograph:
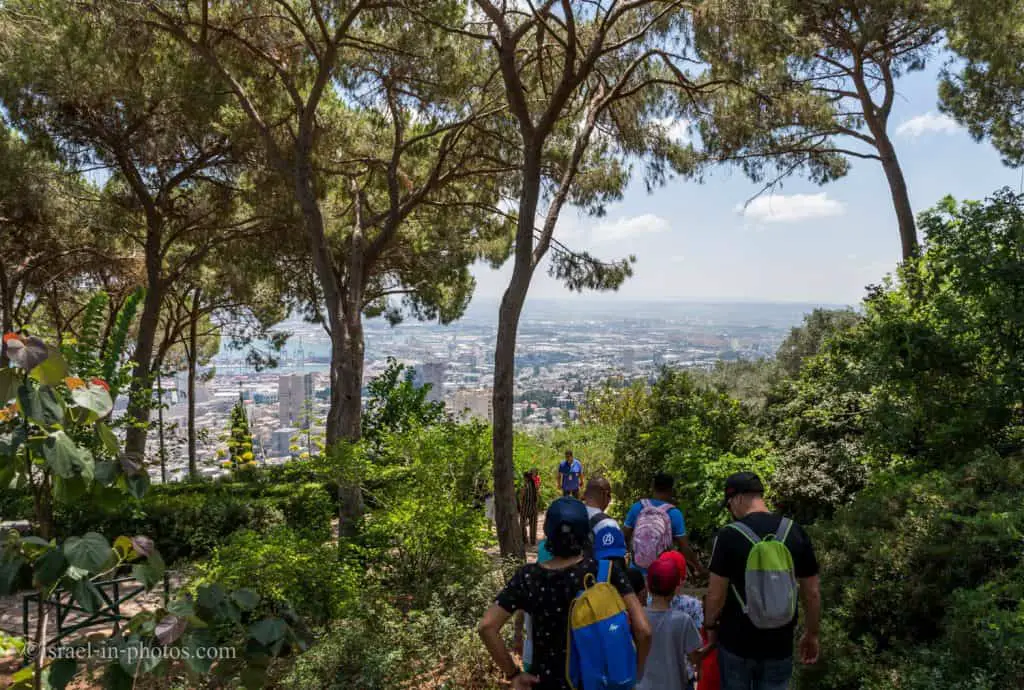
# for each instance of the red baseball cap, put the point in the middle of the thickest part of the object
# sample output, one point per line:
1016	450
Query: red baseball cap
663	577
678	559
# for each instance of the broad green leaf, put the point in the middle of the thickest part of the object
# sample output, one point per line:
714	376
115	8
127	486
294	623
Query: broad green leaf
193	641
87	595
35	541
181	607
246	599
105	472
40	404
211	596
94	398
8	385
53	370
49	568
108	438
170	628
268	631
148	575
59	673
9	570
62	455
90	552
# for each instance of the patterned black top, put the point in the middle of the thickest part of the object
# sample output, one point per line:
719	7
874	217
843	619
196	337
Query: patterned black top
547	595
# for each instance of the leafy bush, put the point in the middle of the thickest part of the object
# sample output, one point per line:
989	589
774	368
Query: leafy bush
283	566
694	433
428	532
378	647
922	575
189	520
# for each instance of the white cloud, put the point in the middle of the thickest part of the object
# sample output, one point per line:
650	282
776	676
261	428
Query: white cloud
783	208
928	123
627	228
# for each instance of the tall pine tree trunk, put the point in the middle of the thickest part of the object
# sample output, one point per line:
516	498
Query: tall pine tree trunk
141	397
510	538
900	197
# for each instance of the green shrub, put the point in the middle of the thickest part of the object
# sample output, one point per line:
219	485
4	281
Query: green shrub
922	579
378	647
284	566
189	520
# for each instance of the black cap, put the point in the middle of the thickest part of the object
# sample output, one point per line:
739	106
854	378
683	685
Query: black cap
742	483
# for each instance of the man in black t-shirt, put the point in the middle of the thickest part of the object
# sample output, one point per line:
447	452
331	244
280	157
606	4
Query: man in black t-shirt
751	658
546	592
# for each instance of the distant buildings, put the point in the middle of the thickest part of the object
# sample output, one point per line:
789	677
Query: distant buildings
473	403
281	441
293	393
432	374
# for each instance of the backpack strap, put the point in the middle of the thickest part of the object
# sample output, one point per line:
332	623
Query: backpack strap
665	507
783	532
747	532
604	571
594	521
644	504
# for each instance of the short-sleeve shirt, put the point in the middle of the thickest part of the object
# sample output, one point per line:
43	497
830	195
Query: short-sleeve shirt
729	560
675	635
570	474
609	541
675	516
547	595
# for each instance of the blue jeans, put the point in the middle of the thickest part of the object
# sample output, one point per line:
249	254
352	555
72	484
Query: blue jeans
753	674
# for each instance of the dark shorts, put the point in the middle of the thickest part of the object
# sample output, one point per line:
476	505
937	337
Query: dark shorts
575	493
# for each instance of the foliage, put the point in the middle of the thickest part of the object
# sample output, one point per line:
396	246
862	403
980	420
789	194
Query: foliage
239	439
809	84
694	433
806	340
984	90
190	521
921	574
286	567
429	532
395	405
378	646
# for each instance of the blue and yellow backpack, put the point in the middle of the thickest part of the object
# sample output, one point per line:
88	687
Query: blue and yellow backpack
601	654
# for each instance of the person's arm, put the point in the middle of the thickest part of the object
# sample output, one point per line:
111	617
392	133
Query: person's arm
560	477
490	632
810	598
714	602
641	629
683	543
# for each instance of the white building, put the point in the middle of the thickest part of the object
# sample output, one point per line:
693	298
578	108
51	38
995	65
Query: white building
293	393
473	403
281	441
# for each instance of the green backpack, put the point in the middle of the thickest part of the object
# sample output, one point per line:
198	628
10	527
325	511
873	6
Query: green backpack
771	589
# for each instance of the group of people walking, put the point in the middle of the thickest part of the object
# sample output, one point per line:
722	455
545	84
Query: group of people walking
603	607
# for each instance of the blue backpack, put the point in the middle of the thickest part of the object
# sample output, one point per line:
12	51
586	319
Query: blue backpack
601	655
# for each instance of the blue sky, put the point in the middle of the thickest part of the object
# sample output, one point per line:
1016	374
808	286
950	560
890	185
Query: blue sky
806	243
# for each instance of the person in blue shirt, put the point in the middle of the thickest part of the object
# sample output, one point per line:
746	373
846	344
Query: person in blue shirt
664	485
570	475
609	542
